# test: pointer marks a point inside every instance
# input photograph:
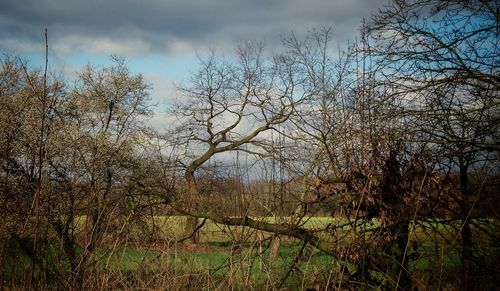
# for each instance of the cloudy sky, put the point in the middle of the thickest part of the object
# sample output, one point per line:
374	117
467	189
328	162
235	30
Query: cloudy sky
161	38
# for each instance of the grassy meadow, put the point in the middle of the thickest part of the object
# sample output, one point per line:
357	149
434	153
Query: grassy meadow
239	256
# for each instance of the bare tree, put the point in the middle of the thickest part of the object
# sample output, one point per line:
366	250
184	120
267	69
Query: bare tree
230	105
439	62
98	152
90	156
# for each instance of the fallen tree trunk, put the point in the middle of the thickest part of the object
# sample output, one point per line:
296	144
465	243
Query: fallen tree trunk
287	230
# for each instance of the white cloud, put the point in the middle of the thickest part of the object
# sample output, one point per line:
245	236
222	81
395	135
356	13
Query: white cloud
20	45
162	121
99	45
164	90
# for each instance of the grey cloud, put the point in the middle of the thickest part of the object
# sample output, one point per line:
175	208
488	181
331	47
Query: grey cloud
160	26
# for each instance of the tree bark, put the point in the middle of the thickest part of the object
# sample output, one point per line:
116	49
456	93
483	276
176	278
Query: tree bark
403	280
275	247
466	234
190	229
467	279
191	224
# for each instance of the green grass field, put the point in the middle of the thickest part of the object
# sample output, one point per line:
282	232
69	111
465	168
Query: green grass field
233	252
216	256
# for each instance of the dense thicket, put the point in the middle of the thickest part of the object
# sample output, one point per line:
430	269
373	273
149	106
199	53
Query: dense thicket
396	138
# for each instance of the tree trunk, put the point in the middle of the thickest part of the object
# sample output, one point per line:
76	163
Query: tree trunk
262	248
190	228
275	246
193	194
403	279
467	279
397	262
